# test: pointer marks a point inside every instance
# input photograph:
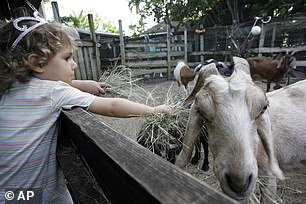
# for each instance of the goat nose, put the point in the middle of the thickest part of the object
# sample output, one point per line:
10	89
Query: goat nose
239	184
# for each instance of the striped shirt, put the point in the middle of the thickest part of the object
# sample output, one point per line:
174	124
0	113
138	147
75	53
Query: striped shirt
28	136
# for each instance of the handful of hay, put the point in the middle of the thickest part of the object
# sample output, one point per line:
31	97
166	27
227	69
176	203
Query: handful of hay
124	85
162	134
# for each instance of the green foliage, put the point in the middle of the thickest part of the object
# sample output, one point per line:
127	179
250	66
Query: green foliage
136	29
77	21
81	21
214	12
109	27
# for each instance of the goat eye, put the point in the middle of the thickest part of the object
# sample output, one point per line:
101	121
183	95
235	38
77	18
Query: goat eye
263	110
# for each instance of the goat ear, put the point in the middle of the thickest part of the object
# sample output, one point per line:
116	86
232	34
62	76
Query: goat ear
265	135
193	129
280	62
293	62
241	64
204	72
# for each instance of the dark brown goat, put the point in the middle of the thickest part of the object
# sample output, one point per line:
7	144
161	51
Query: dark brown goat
271	70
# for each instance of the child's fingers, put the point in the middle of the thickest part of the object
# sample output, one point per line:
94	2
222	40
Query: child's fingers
163	109
104	84
101	91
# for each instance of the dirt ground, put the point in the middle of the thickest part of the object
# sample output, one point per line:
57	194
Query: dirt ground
290	191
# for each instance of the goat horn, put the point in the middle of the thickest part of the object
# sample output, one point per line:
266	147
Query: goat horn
293	52
241	64
204	72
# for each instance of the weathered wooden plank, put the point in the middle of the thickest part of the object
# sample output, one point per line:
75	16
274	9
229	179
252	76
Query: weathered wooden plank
185	45
98	61
82	65
168	51
202	53
83	43
138	72
138	45
93	63
149	55
94	59
128	172
87	61
152	44
278	49
147	64
301	63
77	72
122	46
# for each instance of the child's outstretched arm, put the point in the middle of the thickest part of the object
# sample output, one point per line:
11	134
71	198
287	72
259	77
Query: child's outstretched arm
123	108
90	86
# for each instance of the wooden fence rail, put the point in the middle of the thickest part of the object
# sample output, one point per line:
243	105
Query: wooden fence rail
102	166
159	53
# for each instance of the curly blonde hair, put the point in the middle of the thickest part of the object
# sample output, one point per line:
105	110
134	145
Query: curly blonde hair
44	41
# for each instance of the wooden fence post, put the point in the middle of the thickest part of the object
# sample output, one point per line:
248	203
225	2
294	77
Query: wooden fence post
122	51
202	45
273	35
168	53
261	39
185	45
55	11
95	69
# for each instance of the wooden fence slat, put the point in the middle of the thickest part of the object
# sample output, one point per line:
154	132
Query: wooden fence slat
93	64
148	55
77	72
82	65
83	43
143	71
122	45
87	61
94	56
148	63
168	52
139	45
201	53
128	172
278	49
185	46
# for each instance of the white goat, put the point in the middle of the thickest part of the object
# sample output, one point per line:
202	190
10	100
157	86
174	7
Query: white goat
245	139
183	75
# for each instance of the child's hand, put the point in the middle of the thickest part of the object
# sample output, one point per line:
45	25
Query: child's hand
90	86
103	85
163	109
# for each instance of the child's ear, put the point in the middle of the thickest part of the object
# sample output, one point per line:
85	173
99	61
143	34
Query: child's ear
32	61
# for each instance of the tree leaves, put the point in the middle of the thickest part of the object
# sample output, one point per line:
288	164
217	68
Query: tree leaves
213	12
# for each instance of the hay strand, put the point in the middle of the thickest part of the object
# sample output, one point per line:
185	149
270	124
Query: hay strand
125	86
